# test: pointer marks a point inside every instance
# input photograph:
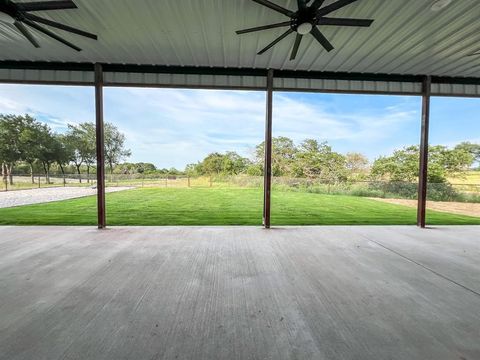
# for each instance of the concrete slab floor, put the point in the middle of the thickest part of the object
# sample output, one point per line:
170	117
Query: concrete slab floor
240	293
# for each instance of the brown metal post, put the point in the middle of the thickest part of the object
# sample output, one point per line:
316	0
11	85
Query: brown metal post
423	170
267	173
102	223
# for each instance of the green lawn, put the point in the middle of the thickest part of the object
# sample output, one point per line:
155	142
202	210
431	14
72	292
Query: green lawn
222	206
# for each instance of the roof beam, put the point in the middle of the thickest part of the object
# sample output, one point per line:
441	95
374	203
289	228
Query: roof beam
88	68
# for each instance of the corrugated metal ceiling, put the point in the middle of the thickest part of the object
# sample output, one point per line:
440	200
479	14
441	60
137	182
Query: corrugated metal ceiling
406	37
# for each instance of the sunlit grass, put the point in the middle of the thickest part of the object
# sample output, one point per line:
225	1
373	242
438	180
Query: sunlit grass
222	206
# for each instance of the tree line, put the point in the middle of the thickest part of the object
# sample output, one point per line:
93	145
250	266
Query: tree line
25	140
317	160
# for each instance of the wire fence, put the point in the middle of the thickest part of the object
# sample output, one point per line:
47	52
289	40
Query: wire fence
25	182
379	189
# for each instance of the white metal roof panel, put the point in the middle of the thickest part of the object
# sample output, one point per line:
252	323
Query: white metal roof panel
407	37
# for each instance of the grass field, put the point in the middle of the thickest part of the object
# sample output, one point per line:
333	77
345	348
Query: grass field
222	206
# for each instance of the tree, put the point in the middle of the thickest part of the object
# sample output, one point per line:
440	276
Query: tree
88	134
444	162
47	148
356	163
145	168
213	164
283	155
472	149
63	152
47	151
403	165
30	138
115	150
11	127
317	161
81	140
135	168
234	164
229	163
191	169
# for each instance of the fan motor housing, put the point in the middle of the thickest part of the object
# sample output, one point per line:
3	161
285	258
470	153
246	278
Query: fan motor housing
300	18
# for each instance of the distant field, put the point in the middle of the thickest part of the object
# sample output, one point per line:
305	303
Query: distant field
222	206
468	177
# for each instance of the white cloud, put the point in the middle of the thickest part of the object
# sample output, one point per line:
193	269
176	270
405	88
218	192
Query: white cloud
173	127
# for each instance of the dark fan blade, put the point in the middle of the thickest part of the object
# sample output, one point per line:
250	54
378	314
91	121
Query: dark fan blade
276	41
322	39
275	7
298	40
60	26
333	7
474	54
51	34
317	4
265	27
22	28
302	4
344	22
46	5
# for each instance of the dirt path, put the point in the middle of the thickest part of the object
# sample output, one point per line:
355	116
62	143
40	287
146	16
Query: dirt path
471	209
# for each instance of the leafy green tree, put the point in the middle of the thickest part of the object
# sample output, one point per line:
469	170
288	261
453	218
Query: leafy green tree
356	164
471	148
403	165
444	162
229	163
234	164
81	139
30	140
283	155
63	153
316	160
145	168
135	168
115	150
192	169
254	169
47	148
213	164
88	133
11	128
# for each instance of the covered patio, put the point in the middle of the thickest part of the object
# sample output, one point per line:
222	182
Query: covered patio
244	292
240	293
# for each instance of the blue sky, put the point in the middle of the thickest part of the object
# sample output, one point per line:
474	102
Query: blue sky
174	127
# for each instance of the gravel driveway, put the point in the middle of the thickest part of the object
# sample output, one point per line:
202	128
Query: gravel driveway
37	196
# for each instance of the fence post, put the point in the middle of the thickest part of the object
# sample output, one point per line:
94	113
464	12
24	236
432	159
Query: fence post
210	180
188	181
39	179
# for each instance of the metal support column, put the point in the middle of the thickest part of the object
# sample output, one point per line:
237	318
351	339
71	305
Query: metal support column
100	146
423	169
267	173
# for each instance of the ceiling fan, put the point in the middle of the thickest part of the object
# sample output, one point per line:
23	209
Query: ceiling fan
19	15
306	21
